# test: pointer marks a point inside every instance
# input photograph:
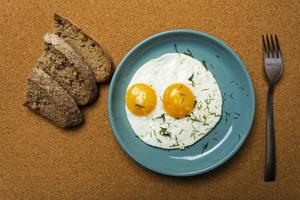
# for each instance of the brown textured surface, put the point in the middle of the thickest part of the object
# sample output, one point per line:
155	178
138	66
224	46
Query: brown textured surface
40	161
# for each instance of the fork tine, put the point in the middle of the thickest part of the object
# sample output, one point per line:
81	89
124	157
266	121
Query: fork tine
274	50
264	45
277	47
269	47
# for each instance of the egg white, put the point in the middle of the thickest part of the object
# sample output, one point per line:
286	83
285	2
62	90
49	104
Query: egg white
162	72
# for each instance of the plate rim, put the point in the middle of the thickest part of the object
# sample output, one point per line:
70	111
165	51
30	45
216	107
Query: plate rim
251	94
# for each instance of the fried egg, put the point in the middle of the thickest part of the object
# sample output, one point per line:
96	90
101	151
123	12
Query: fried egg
173	101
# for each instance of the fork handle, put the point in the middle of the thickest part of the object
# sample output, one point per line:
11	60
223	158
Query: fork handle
270	144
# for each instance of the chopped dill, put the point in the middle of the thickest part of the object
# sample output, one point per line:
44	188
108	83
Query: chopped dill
162	116
192	80
193	134
158	140
213	113
164	132
176	140
194	118
180	132
188	53
211	66
201	133
204	147
195	103
208	100
239	136
232	81
154	132
205	119
169	124
217	56
204	64
138	106
242	88
215	139
175	47
204	89
227	116
237	113
182	100
231	95
199	104
177	144
182	95
227	113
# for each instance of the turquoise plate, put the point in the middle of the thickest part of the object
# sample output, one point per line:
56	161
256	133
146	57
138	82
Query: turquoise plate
238	108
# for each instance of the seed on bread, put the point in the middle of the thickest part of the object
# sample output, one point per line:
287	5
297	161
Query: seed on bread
46	97
66	67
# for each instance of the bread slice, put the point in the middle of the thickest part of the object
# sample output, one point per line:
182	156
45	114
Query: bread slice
46	97
66	67
92	52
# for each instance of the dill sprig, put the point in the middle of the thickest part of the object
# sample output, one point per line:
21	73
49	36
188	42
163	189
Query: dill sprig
162	116
195	103
205	119
193	134
199	104
204	64
227	115
237	113
182	95
164	132
188	53
191	79
138	106
175	47
204	147
180	131
154	133
194	118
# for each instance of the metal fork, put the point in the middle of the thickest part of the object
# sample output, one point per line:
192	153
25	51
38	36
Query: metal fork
273	67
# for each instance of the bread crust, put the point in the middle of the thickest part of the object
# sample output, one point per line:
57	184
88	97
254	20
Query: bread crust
86	91
95	55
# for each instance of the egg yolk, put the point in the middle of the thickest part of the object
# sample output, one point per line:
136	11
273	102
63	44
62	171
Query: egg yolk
178	100
140	99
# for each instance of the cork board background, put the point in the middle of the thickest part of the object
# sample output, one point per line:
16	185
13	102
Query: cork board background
40	161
